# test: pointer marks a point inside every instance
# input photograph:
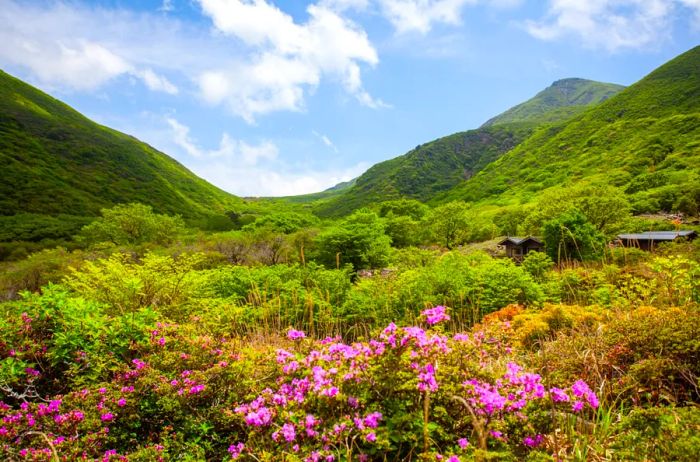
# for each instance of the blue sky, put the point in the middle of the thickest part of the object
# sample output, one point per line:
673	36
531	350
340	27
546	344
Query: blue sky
273	97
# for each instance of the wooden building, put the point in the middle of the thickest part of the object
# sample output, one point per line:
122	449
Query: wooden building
649	240
517	247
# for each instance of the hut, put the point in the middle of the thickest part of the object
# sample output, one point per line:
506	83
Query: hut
649	240
517	247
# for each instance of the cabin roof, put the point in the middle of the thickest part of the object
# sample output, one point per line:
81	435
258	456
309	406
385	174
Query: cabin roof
519	240
658	235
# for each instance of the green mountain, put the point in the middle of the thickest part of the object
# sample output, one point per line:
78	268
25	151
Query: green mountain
645	140
428	169
329	193
438	166
560	101
56	161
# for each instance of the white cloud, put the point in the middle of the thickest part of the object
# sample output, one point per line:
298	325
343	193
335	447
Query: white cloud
610	24
71	48
343	5
274	181
325	140
251	169
286	59
694	5
420	15
234	150
156	82
181	137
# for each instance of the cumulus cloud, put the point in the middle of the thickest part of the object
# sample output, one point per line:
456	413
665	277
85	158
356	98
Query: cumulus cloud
279	181
287	59
343	5
258	61
610	24
156	82
229	148
420	15
61	47
251	169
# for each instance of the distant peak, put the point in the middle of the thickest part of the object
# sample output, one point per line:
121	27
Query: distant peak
569	81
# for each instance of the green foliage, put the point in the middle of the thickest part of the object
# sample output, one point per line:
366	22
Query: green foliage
37	270
428	169
126	286
572	237
643	140
283	222
537	264
55	161
449	224
358	240
132	224
509	221
659	434
403	207
73	341
562	100
604	206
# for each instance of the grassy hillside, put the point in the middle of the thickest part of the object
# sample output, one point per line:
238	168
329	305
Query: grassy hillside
329	193
645	140
435	167
429	168
560	101
56	161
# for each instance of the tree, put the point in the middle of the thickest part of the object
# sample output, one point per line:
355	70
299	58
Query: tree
509	220
537	264
603	206
130	224
359	240
403	230
449	223
283	222
403	207
570	236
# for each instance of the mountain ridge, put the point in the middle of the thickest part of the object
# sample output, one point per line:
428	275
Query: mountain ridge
437	166
58	161
644	140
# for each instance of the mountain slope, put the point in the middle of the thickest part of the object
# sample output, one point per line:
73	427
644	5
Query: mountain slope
56	161
645	140
437	166
560	101
428	169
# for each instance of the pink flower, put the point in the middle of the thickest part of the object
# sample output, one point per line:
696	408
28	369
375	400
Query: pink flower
372	420
196	389
533	442
435	315
463	443
288	432
121	402
106	417
558	395
371	437
235	450
295	334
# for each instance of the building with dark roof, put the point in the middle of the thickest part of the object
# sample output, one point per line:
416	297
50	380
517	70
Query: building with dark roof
518	247
649	240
